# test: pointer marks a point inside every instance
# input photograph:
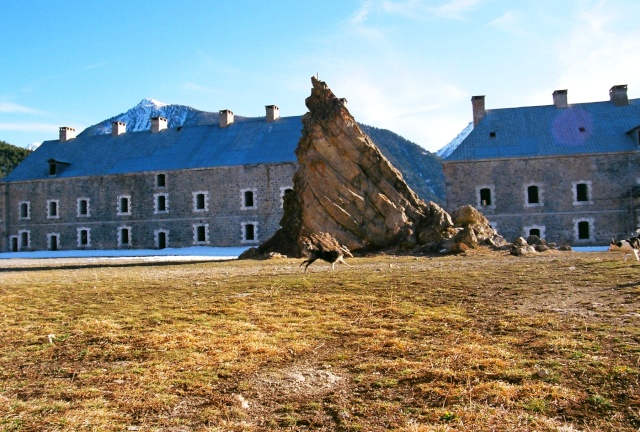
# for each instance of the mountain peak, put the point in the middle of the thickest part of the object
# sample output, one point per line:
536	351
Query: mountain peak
151	103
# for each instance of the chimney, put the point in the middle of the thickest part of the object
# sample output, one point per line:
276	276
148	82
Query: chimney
67	133
618	95
273	113
560	99
118	128
226	118
477	103
158	124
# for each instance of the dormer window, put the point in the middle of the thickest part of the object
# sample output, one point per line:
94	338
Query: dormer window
56	167
582	129
492	134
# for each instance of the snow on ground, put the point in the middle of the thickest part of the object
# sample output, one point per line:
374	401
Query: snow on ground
195	253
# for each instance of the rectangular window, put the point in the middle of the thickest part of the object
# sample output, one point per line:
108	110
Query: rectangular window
124	205
532	195
52	168
25	210
200	201
201	233
83	207
485	197
161	180
84	237
161	204
25	239
248	199
52	209
583	230
53	241
249	232
124	236
582	192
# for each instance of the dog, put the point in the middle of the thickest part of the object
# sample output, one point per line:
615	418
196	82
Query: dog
330	256
630	245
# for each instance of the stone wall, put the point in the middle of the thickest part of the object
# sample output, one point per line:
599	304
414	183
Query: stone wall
224	217
607	180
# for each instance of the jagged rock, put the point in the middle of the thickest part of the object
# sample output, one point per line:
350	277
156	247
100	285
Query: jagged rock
345	187
475	228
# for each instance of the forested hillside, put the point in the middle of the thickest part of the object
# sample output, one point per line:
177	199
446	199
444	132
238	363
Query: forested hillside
10	157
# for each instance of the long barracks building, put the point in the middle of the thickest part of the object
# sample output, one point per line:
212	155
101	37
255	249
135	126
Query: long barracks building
220	185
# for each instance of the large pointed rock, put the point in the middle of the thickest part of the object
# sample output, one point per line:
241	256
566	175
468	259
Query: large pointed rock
345	187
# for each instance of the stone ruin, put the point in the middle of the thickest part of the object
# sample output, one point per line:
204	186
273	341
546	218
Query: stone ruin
345	187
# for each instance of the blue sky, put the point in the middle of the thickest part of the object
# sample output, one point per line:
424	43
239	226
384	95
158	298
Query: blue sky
410	66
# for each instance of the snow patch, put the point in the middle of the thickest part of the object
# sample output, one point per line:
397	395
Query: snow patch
188	253
445	151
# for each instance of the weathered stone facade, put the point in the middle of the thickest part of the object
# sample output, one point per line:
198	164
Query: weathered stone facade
609	206
235	206
567	173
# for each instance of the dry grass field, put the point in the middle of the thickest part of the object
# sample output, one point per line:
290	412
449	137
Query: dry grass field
480	342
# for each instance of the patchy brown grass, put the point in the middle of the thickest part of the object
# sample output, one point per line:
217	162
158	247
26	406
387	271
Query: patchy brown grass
479	342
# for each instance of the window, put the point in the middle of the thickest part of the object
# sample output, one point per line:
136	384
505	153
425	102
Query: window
25	209
582	192
492	134
583	229
124	236
161	180
248	199
52	168
25	239
84	237
537	230
485	196
52	209
53	241
83	207
249	232
161	203
201	234
161	238
200	201
124	204
533	195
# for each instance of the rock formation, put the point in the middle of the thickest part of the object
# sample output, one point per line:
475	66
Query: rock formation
345	187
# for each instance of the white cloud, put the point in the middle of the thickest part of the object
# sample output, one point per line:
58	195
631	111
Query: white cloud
8	107
456	9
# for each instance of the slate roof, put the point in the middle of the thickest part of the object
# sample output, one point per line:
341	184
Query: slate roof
585	128
253	141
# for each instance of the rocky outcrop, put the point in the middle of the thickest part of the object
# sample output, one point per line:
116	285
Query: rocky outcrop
344	186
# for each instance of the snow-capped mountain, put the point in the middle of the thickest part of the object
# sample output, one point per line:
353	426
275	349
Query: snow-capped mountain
449	148
139	117
421	169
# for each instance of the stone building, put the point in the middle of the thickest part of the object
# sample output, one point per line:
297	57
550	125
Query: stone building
214	185
569	173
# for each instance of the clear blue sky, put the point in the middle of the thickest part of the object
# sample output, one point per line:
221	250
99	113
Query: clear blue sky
410	66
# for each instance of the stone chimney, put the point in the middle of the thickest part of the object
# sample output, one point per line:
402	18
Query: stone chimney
618	95
560	99
118	128
226	118
158	124
67	133
477	103
273	113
